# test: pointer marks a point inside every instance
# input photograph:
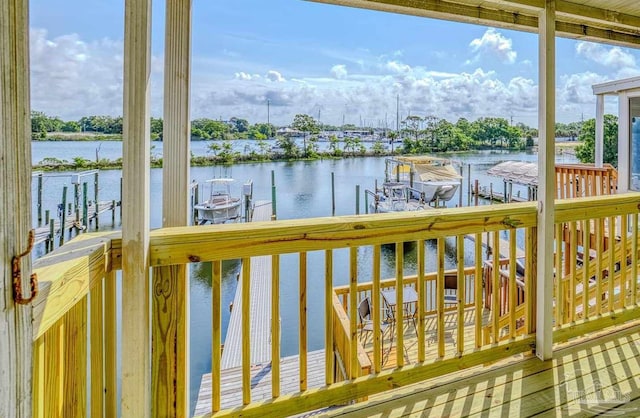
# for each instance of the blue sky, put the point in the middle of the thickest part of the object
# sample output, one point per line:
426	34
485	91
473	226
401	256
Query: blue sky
331	62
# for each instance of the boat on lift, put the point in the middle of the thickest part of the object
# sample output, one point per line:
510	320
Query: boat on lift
221	207
436	178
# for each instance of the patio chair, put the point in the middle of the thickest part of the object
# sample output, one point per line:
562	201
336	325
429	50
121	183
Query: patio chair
366	321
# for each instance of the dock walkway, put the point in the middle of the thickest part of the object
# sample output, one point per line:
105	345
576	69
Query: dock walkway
260	292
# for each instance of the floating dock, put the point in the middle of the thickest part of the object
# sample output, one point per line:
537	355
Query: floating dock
260	312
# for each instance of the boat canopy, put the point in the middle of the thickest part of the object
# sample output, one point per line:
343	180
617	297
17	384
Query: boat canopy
427	168
517	172
220	180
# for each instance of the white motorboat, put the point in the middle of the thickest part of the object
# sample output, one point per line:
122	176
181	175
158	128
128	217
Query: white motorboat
435	177
396	197
220	207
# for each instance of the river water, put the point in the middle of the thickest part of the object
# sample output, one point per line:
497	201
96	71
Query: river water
303	191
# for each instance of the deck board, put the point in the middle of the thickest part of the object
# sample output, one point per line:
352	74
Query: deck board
231	381
260	282
607	366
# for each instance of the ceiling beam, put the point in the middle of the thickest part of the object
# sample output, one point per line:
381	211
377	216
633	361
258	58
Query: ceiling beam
508	19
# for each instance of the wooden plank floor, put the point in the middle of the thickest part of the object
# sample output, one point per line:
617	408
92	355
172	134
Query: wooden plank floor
231	381
260	282
600	376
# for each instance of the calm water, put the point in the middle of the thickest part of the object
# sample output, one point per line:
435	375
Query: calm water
303	190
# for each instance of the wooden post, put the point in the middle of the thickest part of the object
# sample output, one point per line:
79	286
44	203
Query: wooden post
366	202
599	144
52	235
460	189
170	350
85	207
63	215
546	173
274	214
47	216
333	194
113	213
468	184
39	199
76	200
357	199
476	191
121	201
136	373
15	208
95	198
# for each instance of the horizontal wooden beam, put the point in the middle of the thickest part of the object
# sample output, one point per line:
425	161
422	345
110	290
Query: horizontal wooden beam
218	242
66	275
574	21
567	210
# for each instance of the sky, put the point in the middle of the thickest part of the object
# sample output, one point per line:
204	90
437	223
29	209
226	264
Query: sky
257	59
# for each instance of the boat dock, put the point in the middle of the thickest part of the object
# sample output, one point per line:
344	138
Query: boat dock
231	381
260	292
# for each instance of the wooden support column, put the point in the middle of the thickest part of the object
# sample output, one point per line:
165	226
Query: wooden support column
546	181
15	208
170	358
599	130
136	344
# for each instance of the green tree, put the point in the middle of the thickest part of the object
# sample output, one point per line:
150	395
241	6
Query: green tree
71	126
586	152
307	125
289	147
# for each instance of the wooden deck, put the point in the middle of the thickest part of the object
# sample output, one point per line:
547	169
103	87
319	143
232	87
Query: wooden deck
597	376
260	283
231	381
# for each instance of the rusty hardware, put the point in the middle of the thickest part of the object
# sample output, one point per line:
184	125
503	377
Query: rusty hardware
17	275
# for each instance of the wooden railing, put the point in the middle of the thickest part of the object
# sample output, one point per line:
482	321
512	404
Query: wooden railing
584	180
596	264
342	342
76	306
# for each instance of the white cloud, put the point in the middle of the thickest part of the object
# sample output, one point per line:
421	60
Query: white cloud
398	67
275	76
339	71
614	57
494	44
244	76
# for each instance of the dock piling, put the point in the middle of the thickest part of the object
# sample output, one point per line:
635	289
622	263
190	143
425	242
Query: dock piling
39	199
63	214
50	243
113	213
47	216
273	196
333	195
85	207
357	199
95	198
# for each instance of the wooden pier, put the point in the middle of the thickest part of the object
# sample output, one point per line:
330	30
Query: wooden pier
231	381
260	310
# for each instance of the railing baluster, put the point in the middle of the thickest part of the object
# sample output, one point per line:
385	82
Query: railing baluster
624	235
530	280
75	360
559	276
586	263
97	351
246	330
421	300
110	345
375	297
39	385
216	341
399	304
512	286
440	295
477	280
275	326
328	317
353	312
573	257
496	309
599	275
634	259
54	343
460	292
611	247
302	324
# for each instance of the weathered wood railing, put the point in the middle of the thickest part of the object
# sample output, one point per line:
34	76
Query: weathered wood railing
77	303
